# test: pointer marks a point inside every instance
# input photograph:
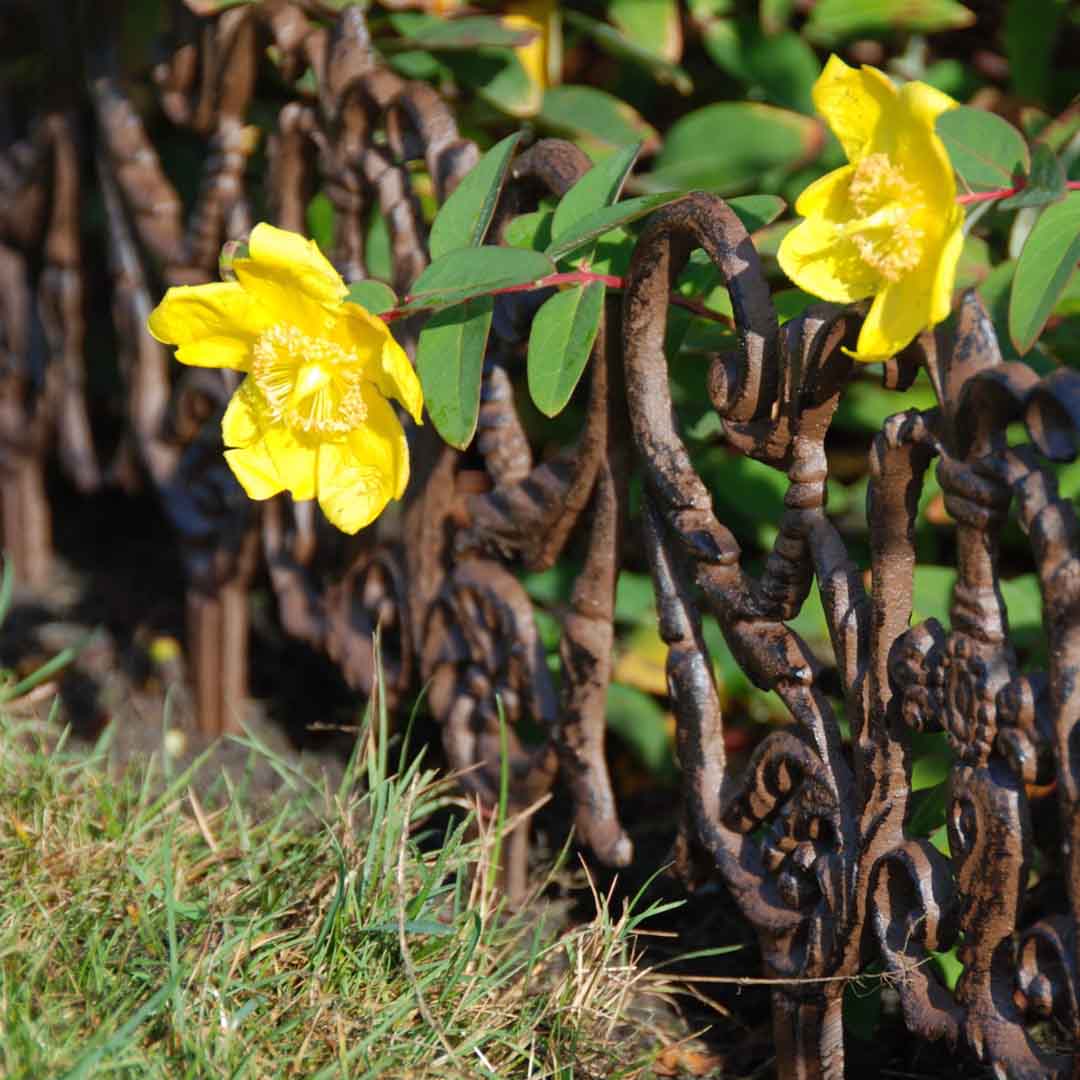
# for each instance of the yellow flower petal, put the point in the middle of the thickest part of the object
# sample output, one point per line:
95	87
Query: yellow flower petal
312	417
392	371
948	260
854	104
240	425
215	325
398	379
539	16
291	277
359	476
535	15
297	261
352	492
915	143
383	436
887	225
256	471
296	462
356	328
923	298
896	316
827	195
275	462
924	103
821	261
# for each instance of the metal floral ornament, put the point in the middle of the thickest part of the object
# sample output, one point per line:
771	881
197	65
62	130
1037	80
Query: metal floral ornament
886	225
312	417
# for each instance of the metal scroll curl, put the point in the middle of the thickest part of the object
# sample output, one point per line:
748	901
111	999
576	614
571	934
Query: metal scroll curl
811	838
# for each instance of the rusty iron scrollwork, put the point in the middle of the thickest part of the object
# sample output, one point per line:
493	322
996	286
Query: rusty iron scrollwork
812	836
809	839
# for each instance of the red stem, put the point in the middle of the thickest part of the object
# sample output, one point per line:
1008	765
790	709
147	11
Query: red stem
1003	193
586	277
569	277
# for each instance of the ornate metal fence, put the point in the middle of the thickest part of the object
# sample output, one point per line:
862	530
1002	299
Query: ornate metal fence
810	836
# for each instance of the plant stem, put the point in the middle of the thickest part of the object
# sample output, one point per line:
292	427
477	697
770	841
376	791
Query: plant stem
1003	193
570	277
587	277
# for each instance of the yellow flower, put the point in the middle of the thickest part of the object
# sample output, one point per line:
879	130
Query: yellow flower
887	224
311	418
541	59
542	54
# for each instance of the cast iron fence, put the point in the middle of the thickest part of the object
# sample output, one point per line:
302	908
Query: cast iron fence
810	836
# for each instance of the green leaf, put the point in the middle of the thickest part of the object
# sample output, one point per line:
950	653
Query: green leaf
562	336
498	76
605	219
416	64
598	119
948	962
373	296
726	147
450	362
1023	598
468	32
1059	131
635	601
378	256
931	767
1030	34
1068	304
940	839
988	153
834	20
974	263
471	272
775	15
933	586
754	211
867	406
652	25
532	230
757	211
1044	185
600	186
928	808
612	253
1044	268
320	221
464	217
638	718
622	48
994	290
782	67
789	304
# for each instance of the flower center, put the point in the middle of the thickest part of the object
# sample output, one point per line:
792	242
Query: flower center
310	384
882	230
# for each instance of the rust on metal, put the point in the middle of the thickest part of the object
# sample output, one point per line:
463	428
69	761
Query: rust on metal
812	835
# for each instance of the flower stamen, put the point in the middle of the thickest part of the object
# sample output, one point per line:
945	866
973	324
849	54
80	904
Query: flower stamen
310	384
883	232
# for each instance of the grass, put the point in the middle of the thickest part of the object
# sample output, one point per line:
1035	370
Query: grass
353	932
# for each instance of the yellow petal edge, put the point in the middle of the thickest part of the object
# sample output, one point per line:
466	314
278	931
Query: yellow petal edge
312	415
